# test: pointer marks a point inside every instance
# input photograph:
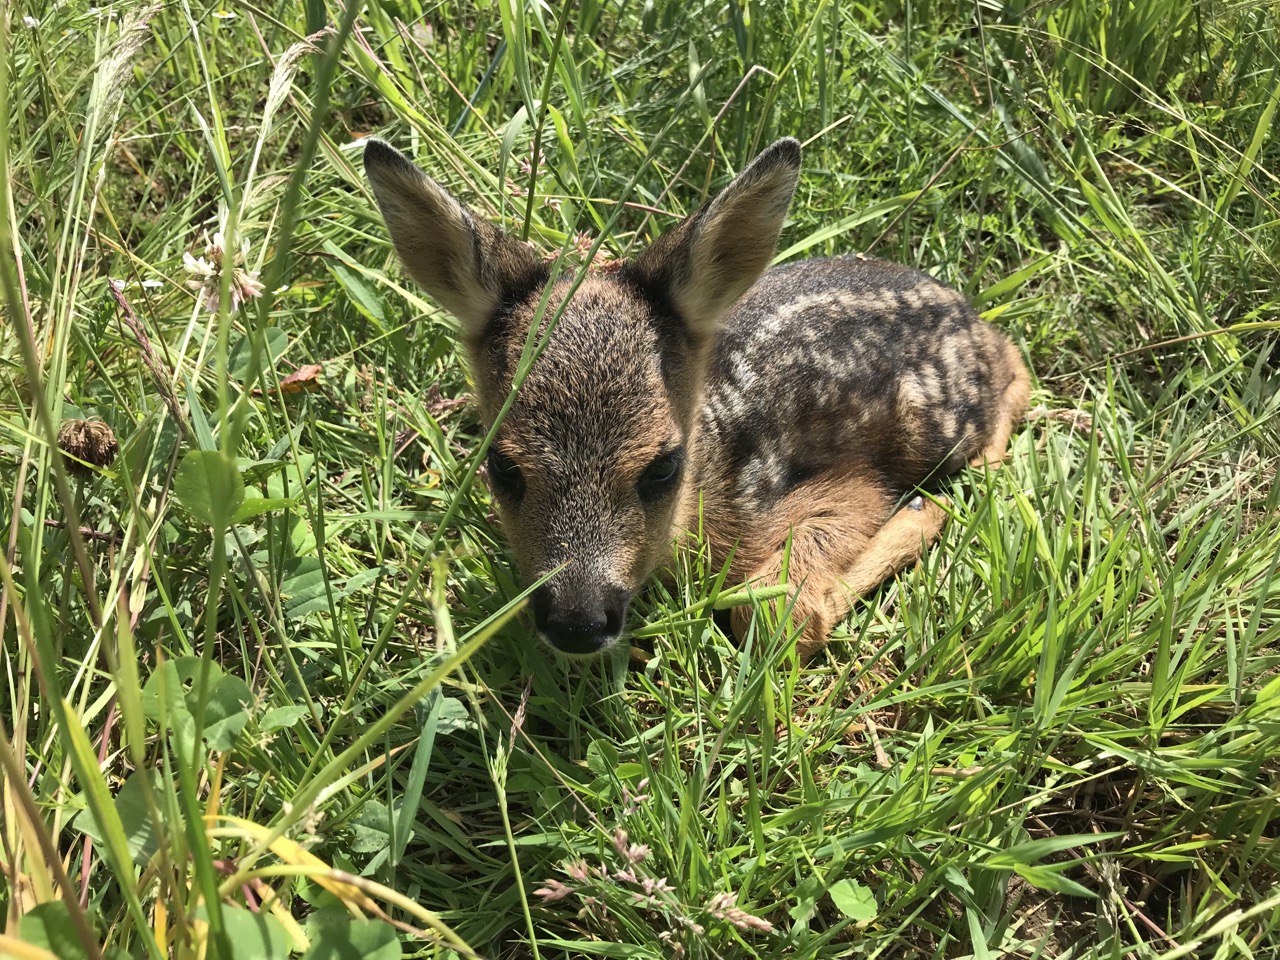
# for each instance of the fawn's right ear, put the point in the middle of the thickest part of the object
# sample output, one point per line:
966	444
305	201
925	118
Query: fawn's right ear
466	263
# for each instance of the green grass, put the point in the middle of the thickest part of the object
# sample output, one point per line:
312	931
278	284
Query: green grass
322	723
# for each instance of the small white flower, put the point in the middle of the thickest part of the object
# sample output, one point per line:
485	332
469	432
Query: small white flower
30	22
198	266
151	283
224	14
206	274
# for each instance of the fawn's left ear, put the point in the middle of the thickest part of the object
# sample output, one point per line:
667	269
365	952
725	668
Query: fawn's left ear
465	262
708	262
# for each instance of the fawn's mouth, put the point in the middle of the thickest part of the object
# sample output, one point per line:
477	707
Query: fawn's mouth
580	649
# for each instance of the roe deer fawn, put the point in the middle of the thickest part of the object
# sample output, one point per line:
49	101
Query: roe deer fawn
796	407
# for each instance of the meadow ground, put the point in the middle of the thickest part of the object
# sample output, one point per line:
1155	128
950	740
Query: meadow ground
267	688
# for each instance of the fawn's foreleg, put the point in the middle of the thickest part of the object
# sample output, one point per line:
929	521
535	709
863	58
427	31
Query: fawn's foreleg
838	538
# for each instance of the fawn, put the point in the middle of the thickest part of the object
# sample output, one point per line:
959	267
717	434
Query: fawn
794	408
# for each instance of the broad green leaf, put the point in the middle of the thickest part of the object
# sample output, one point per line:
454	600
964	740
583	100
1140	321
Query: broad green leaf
255	471
526	781
350	278
362	295
303	587
49	927
302	539
224	713
293	478
278	718
808	891
341	938
209	487
454	716
602	758
253	936
275	342
854	900
256	506
804	908
371	828
141	831
174	678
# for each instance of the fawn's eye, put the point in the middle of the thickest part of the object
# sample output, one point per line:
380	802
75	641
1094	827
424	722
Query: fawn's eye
506	476
662	476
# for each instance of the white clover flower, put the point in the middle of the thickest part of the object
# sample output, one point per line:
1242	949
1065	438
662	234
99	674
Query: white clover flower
206	274
30	22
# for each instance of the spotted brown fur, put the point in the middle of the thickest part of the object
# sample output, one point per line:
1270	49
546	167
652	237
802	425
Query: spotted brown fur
798	409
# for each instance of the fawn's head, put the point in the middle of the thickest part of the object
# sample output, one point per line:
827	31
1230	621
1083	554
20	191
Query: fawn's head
590	463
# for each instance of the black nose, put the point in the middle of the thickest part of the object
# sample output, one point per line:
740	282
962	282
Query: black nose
578	624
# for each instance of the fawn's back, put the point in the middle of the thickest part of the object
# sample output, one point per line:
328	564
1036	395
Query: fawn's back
849	360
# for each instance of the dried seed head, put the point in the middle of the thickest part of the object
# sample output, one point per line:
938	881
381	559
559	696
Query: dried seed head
87	441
